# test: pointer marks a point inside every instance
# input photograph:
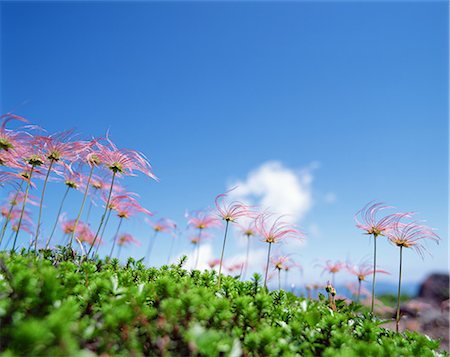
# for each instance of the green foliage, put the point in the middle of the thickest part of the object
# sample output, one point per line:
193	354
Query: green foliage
60	305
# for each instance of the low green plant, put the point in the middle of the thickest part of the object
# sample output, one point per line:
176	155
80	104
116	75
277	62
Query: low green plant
61	305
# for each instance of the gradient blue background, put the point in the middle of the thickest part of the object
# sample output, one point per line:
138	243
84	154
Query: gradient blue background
209	91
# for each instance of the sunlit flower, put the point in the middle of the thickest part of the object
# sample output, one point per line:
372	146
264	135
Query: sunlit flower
362	270
276	231
12	140
409	235
367	220
202	220
164	225
123	161
213	263
127	238
233	210
61	146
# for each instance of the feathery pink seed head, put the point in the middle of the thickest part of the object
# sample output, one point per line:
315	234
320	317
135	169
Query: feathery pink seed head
366	219
411	235
276	231
231	211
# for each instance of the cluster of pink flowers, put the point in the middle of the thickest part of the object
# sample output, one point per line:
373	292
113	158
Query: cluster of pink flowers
93	167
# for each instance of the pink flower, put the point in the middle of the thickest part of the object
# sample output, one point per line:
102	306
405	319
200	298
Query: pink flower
248	230
213	263
123	161
127	238
332	267
411	235
163	225
127	206
284	262
276	231
234	267
366	219
60	146
202	220
231	211
11	140
362	270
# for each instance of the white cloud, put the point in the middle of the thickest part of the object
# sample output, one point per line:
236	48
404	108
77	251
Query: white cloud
280	189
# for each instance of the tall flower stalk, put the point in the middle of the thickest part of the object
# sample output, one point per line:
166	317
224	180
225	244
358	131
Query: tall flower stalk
408	235
86	190
13	203
273	233
366	219
361	271
150	247
115	238
36	235
229	213
248	231
104	214
66	192
23	207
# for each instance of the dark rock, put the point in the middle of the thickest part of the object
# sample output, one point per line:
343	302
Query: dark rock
435	288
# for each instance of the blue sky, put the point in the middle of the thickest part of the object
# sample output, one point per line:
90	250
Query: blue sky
349	98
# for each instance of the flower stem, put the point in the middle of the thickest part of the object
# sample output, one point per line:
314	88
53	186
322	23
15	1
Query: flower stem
244	266
150	247
103	232
198	248
23	209
279	279
89	212
223	250
170	250
82	205
267	265
374	271
104	213
7	219
57	217
359	290
120	249
397	320
36	236
115	237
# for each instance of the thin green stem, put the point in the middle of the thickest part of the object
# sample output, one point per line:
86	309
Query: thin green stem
244	266
397	319
23	209
89	212
170	250
267	265
8	218
279	279
38	227
223	250
115	237
57	217
120	249
82	205
103	232
359	290
198	248
150	247
104	213
374	271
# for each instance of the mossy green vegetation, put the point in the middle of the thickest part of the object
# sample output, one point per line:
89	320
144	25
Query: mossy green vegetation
59	305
